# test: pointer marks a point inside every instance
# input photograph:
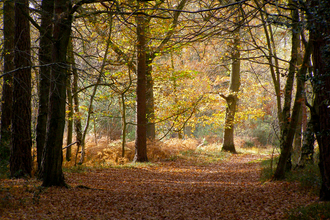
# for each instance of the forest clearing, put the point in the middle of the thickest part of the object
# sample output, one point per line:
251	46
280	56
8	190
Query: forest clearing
196	184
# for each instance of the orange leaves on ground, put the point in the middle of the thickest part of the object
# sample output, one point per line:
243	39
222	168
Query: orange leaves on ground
170	190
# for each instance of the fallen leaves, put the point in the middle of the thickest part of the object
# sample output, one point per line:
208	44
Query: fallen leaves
224	190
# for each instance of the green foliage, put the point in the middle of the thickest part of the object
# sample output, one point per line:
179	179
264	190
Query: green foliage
310	212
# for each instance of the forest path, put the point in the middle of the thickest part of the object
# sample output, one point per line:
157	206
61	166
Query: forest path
229	189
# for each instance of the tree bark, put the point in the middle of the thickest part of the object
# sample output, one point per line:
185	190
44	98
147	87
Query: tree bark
287	119
319	33
286	146
151	129
69	120
7	91
52	174
231	99
307	149
45	59
20	157
141	102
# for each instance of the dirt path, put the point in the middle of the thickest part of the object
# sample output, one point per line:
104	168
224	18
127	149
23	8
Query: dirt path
226	190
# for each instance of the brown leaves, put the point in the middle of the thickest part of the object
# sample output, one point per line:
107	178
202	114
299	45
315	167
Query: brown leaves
225	190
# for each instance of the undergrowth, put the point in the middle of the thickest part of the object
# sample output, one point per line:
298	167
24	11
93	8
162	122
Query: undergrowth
310	179
317	211
4	169
109	155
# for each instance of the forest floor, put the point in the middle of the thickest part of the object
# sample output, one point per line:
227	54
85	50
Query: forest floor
180	189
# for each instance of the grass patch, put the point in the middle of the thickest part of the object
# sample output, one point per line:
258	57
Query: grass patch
77	169
200	156
309	177
268	168
82	168
315	211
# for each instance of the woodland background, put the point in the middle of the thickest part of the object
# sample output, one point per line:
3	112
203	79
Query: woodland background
110	82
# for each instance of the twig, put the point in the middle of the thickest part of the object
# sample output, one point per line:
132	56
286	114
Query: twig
70	145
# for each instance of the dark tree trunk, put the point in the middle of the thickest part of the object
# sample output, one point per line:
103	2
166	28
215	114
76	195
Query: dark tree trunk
141	102
52	174
7	91
320	32
45	59
20	157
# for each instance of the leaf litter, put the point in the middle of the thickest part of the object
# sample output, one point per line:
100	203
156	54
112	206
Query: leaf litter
228	189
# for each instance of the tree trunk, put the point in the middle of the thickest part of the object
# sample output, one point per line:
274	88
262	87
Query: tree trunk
151	130
7	91
307	150
231	99
320	31
287	119
45	59
124	124
298	136
141	102
52	155
20	157
286	146
69	121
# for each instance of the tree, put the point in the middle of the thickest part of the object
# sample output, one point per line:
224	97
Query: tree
70	117
51	166
45	60
141	102
8	62
299	98
231	99
287	118
20	156
319	20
